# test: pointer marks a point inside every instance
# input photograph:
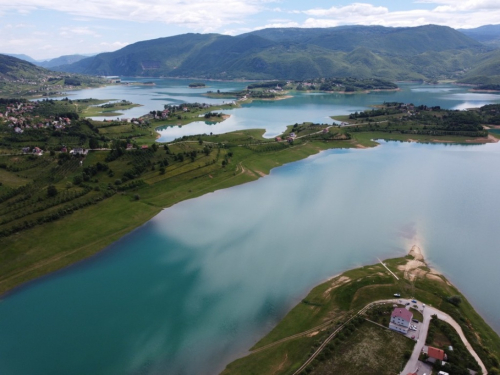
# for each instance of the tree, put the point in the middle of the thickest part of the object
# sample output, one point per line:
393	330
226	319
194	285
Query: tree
93	143
51	191
77	180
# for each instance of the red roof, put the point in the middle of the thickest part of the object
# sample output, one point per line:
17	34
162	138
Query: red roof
435	353
402	313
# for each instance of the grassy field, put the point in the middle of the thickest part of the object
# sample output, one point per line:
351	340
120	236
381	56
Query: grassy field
330	303
365	353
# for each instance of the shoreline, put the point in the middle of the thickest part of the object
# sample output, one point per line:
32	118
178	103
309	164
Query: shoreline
135	225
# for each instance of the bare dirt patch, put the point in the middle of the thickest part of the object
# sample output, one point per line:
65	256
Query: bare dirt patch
336	283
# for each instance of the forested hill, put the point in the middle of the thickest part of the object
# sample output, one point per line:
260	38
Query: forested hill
12	68
425	52
19	78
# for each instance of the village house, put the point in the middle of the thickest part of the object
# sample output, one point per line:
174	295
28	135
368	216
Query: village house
400	320
278	139
37	151
435	354
79	151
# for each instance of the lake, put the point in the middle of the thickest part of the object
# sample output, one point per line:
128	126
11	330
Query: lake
201	282
273	116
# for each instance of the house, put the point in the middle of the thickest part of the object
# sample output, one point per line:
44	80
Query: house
144	147
435	354
400	320
37	151
64	149
278	139
26	150
79	151
129	146
293	135
18	130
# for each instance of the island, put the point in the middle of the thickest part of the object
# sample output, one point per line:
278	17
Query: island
387	318
197	85
279	89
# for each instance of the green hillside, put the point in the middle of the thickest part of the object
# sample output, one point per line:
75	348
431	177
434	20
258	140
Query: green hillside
425	52
12	68
19	78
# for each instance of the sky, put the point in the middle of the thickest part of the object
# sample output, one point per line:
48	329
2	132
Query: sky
45	29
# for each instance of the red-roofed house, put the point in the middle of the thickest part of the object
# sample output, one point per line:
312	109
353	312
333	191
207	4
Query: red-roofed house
400	320
436	353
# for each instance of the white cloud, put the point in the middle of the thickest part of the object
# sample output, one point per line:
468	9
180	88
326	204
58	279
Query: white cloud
200	15
356	9
72	31
453	13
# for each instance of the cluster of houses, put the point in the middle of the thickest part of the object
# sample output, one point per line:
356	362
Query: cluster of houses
289	138
401	319
18	117
35	151
38	151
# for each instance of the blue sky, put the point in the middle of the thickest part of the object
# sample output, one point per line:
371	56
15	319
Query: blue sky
46	29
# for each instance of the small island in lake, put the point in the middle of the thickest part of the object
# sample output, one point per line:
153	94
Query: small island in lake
197	85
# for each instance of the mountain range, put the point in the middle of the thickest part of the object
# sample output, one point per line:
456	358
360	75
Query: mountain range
405	53
401	53
51	63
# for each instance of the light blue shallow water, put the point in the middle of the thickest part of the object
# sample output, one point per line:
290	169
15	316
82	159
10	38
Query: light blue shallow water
202	281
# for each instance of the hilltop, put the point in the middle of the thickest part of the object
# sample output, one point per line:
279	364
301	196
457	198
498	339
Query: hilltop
406	53
21	78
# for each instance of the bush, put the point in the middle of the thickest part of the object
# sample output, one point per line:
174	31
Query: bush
456	300
51	191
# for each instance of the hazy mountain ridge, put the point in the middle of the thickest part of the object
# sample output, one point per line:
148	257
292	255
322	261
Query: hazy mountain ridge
487	34
425	52
62	60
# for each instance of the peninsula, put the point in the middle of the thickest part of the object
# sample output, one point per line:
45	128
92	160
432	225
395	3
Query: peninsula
342	326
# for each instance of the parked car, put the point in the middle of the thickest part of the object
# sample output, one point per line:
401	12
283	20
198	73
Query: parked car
397	295
415	320
414	301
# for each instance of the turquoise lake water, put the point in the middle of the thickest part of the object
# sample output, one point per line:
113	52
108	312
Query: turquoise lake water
201	282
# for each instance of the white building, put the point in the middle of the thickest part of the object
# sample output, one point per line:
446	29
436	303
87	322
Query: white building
400	320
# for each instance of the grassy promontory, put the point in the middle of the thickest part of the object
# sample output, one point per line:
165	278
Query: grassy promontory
361	347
